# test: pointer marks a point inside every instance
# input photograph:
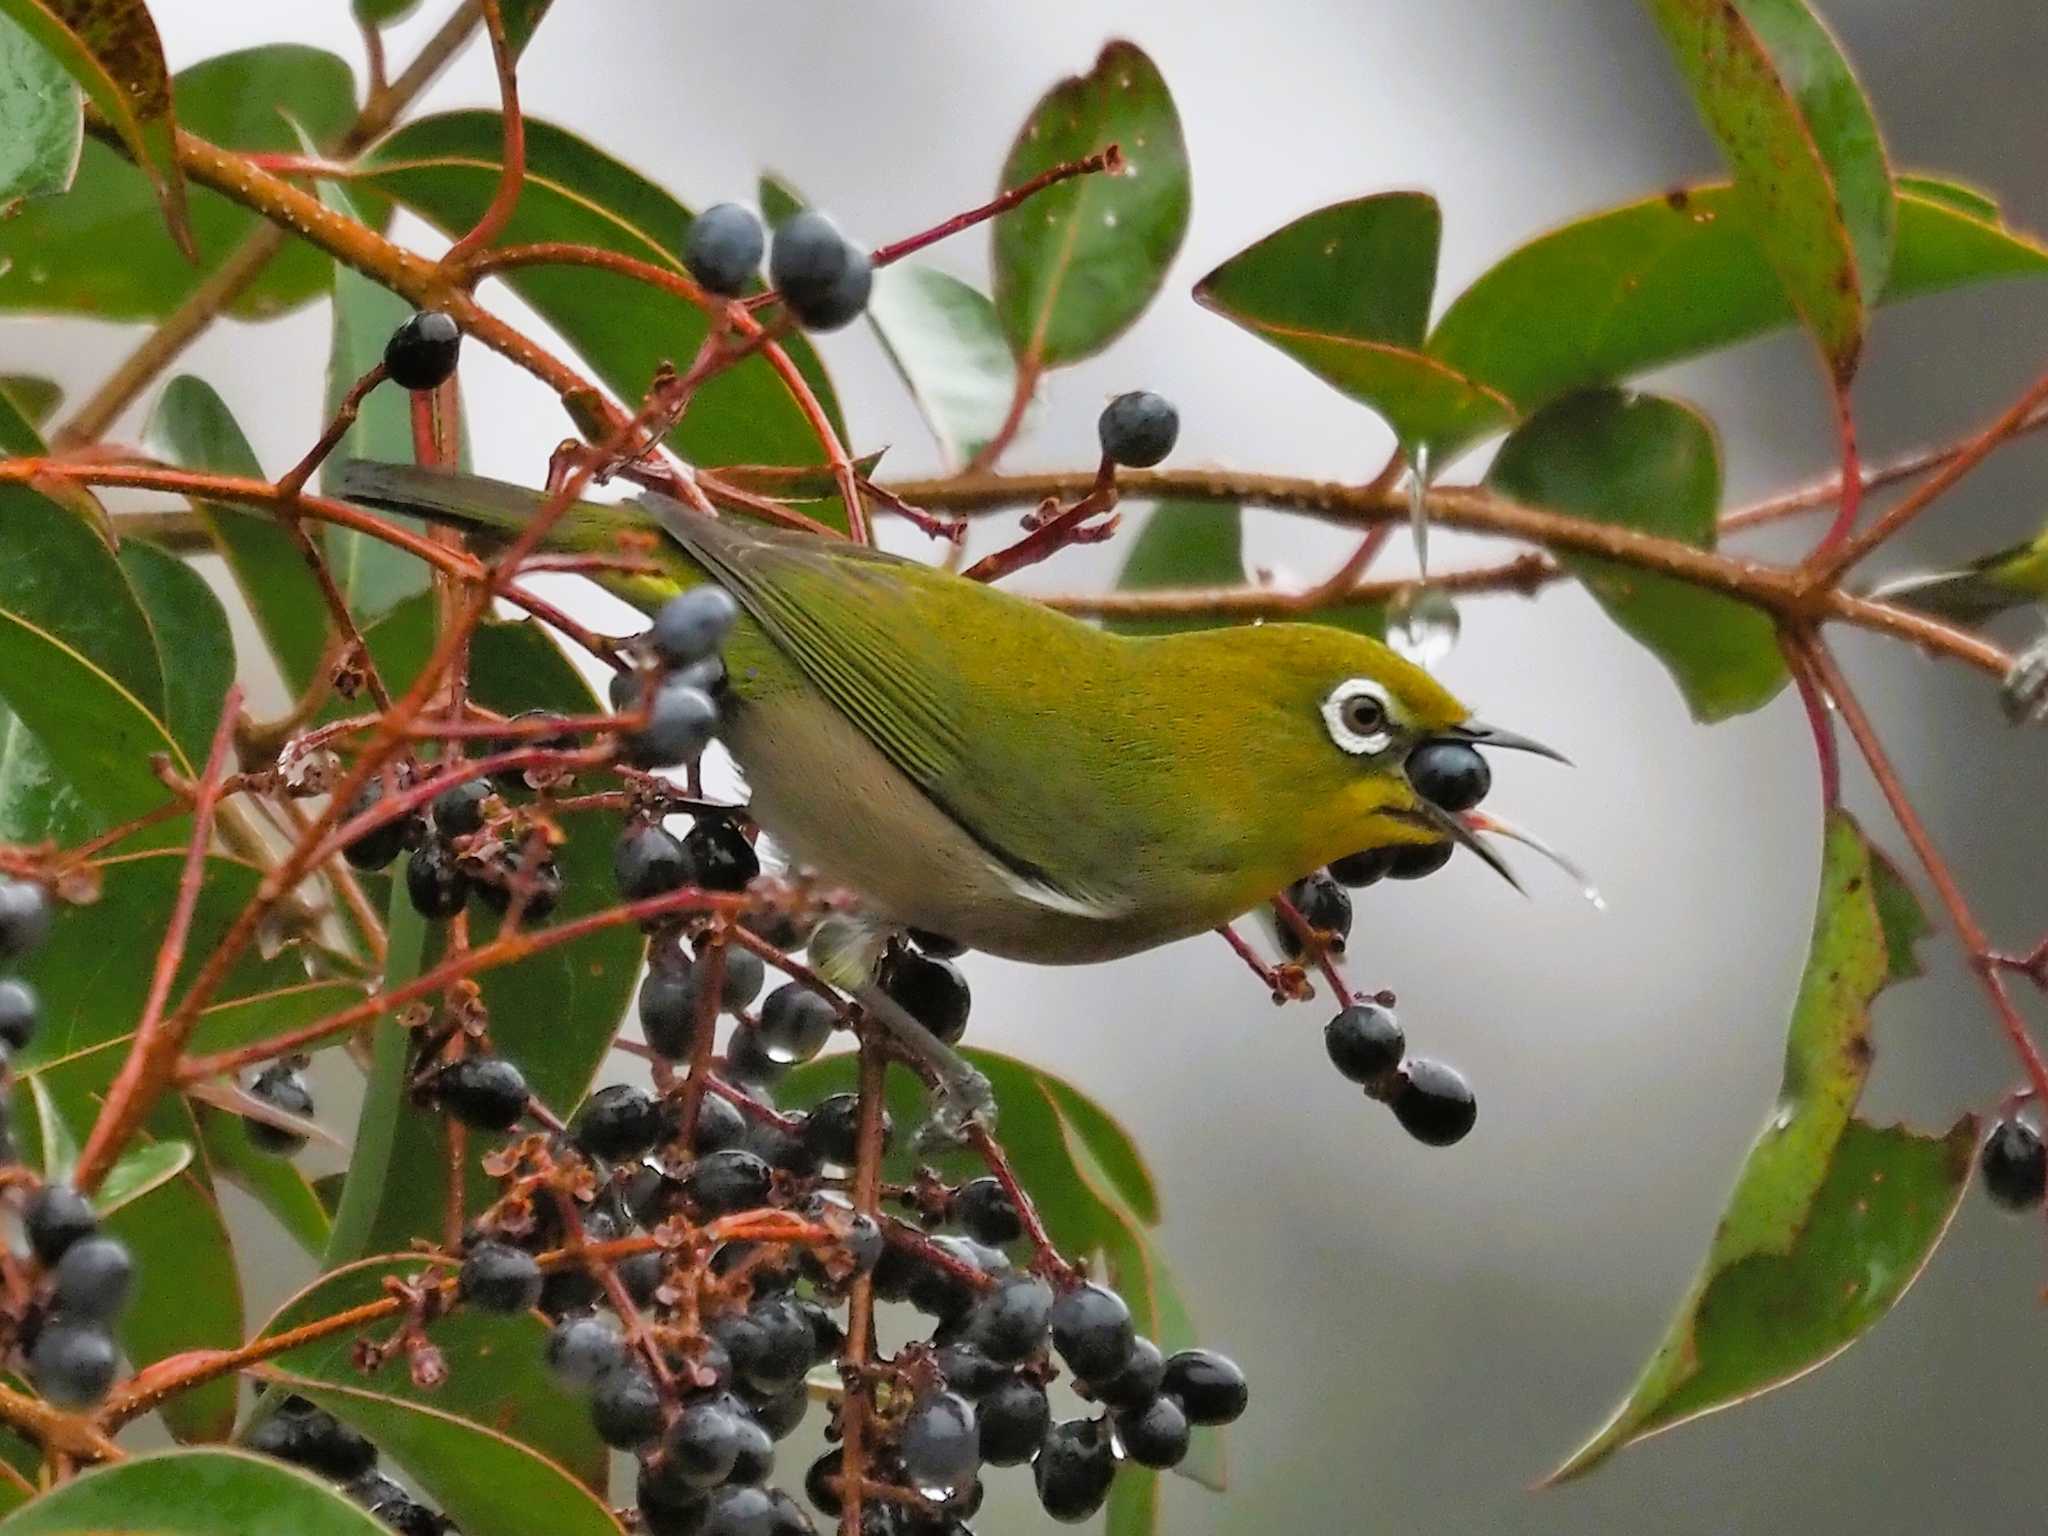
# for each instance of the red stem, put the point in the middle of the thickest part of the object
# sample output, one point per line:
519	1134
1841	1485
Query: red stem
512	177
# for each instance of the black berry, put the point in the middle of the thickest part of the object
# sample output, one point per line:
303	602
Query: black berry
1154	1434
821	1482
701	1446
486	1092
719	1125
95	1278
379	846
967	1370
681	721
438	888
57	1217
617	1122
823	277
987	1213
1091	1328
939	1444
2014	1165
795	1022
740	1509
284	1087
723	1182
1208	1385
745	972
1361	869
668	1007
723	251
1074	1469
1449	774
1365	1042
24	917
1013	1418
933	992
313	1438
72	1363
721	858
1009	1322
1138	429
1138	1382
19	1014
668	1506
422	351
641	1275
625	1407
692	625
459	810
1324	905
937	945
499	1278
832	1129
1415	861
582	1348
1433	1103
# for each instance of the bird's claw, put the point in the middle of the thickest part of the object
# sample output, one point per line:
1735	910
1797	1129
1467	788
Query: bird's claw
2024	693
960	1102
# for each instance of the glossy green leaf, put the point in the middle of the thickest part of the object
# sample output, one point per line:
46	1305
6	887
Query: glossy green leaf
101	249
446	168
111	49
1974	201
59	1142
1183	544
192	428
1831	1218
1076	264
1653	282
779	198
556	1012
276	1183
78	661
193	1493
381	13
1650	464
521	17
140	1170
1345	292
943	337
42	120
36	800
497	1383
371	574
1810	172
92	992
32	400
192	637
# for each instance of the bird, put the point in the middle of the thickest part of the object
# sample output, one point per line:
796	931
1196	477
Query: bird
976	764
1981	590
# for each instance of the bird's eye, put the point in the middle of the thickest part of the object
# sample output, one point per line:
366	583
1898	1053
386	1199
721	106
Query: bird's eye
1364	715
1359	717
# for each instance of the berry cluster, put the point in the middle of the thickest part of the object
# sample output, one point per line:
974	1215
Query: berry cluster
821	277
24	923
1432	1102
307	1436
86	1281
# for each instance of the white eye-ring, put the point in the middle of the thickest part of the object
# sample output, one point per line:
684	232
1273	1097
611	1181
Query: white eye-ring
1359	717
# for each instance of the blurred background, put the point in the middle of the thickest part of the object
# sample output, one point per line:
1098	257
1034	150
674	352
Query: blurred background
1427	1332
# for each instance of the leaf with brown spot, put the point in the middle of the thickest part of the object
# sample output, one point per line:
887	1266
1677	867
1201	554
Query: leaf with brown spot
111	49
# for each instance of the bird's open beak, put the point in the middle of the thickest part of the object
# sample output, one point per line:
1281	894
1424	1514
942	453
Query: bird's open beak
1453	827
1479	734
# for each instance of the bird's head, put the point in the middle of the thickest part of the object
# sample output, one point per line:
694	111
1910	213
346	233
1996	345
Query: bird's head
1365	750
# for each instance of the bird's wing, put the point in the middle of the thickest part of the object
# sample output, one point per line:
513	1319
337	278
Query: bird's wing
886	641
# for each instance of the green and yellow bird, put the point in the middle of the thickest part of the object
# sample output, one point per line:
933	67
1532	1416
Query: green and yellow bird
978	765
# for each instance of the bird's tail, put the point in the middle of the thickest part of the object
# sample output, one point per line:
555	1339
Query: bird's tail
1981	590
494	508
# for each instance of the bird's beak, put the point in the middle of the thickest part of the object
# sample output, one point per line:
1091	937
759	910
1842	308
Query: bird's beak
1479	734
1453	827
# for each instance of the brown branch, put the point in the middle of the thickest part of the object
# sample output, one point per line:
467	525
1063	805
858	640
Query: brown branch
153	1058
1974	941
1053	528
1109	161
860	1314
512	172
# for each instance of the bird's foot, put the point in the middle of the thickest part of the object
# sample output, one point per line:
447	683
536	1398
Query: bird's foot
2025	691
961	1101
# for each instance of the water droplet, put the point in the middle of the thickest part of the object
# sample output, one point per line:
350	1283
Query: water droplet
1422	624
1593	897
1109	219
1418	505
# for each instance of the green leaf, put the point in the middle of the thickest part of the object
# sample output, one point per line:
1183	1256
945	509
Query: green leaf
93	992
1078	262
943	337
555	1013
192	428
111	49
101	250
276	1183
1651	464
1654	282
1831	1218
1810	172
521	17
34	399
497	1384
446	169
59	1141
193	1493
141	1169
779	198
1183	544
42	122
192	637
1345	292
371	574
78	661
381	13
36	801
1974	201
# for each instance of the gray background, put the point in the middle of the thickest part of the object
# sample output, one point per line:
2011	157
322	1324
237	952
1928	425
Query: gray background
1427	1332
